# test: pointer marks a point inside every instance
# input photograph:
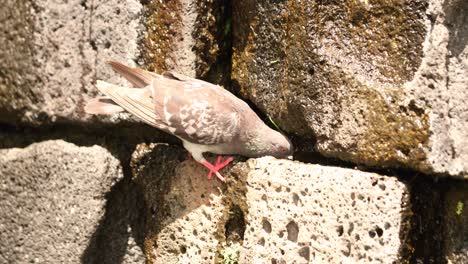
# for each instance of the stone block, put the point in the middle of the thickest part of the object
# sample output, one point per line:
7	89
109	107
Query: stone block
53	206
302	213
273	211
375	83
53	53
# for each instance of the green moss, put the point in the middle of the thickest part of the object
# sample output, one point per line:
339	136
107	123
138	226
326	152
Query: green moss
385	33
230	254
459	209
212	35
163	22
396	134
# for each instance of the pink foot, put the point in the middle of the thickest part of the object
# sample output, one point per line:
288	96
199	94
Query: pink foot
219	165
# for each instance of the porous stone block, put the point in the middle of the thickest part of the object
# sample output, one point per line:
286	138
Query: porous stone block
273	211
377	83
54	204
302	213
185	209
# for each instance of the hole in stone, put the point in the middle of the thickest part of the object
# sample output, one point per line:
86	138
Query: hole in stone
195	233
386	225
379	231
353	195
117	11
269	184
274	261
172	236
264	197
282	251
278	189
340	230
83	4
372	233
382	186
202	195
261	242
357	237
360	197
288	189
266	226
107	45
234	228
305	253
293	231
183	249
281	234
367	247
303	193
350	228
93	44
295	198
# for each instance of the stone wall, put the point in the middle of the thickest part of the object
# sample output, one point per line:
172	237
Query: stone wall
372	93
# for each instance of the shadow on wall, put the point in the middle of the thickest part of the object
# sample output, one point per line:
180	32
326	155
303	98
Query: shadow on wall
189	217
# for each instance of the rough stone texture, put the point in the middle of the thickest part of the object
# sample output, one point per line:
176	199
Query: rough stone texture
299	213
373	82
280	211
53	203
441	83
53	52
188	36
185	208
455	232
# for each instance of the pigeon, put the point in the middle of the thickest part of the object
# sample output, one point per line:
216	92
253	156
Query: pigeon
206	117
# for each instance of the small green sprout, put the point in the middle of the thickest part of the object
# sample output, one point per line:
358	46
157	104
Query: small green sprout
273	122
230	253
459	208
274	62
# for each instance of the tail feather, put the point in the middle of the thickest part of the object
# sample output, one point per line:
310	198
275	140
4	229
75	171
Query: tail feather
138	77
103	106
136	101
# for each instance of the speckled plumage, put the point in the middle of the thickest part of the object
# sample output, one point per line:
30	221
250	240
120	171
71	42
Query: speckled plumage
206	117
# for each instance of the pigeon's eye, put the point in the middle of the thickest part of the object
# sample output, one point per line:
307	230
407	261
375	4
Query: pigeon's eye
282	149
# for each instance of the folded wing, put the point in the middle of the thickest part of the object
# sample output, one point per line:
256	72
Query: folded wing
191	109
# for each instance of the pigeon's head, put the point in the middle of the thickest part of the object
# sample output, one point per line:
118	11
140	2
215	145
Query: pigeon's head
273	143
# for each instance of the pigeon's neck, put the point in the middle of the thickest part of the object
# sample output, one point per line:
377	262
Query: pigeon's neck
255	144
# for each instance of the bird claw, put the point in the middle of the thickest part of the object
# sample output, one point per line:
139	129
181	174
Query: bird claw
219	165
